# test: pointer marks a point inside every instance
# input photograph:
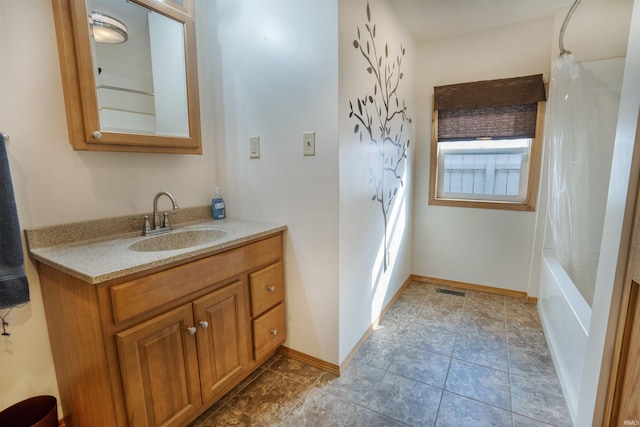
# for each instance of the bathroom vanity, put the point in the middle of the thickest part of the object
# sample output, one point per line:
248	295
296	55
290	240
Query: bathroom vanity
155	337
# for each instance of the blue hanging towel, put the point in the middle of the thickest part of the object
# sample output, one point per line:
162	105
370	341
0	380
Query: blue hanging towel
14	287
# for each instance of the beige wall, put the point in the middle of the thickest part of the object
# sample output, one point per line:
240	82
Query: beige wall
365	285
496	248
481	246
54	184
276	80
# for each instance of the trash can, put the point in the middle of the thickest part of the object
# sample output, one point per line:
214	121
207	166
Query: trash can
39	411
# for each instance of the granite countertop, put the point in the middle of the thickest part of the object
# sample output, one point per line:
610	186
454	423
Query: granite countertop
97	251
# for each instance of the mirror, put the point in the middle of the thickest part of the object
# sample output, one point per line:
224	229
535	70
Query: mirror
129	75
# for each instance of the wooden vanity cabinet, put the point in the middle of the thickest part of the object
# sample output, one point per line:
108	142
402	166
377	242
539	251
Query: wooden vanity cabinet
159	349
177	360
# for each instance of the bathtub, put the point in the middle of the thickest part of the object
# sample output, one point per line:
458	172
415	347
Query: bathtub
565	317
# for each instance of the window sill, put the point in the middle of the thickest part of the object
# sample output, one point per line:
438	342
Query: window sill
527	206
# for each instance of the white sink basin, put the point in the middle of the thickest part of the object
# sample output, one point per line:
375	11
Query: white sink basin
178	240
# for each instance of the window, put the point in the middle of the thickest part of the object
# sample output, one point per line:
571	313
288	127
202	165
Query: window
484	170
486	154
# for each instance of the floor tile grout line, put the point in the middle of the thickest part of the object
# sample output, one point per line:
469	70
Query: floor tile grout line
404	318
435	422
359	404
479	401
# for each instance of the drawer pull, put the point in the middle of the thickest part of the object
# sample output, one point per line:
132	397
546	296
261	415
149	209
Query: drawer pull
191	330
274	331
271	288
204	324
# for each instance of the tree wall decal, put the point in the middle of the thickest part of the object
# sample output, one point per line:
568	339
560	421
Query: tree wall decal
380	117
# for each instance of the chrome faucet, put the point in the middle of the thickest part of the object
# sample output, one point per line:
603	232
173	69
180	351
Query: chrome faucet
156	227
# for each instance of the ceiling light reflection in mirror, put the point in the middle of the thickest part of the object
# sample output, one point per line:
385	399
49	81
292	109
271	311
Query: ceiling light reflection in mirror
106	29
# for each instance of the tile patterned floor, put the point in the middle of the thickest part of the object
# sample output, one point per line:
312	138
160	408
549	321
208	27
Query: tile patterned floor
435	360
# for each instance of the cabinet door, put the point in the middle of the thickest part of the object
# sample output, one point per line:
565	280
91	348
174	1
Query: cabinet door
222	342
159	368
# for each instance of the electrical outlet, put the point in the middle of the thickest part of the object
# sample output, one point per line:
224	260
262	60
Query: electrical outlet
254	147
309	143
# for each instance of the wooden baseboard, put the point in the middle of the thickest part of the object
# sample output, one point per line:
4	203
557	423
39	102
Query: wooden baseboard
338	369
474	287
369	330
309	360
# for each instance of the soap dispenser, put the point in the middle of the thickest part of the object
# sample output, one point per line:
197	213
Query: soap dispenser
217	205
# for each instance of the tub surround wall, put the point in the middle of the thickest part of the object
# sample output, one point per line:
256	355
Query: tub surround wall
615	237
565	316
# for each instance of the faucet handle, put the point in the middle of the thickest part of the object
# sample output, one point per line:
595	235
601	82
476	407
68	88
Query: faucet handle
147	225
165	221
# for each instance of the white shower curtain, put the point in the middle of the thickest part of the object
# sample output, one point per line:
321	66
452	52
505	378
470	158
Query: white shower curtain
567	140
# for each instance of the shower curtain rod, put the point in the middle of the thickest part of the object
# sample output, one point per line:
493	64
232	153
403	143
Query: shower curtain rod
574	6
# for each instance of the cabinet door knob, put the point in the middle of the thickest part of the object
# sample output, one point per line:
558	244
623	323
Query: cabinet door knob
204	324
274	331
191	330
271	288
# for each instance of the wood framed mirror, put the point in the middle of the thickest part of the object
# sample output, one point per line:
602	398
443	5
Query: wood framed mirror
138	90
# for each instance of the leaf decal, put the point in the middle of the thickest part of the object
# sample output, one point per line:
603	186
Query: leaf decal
378	123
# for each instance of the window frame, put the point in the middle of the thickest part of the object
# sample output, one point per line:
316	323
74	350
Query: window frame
533	178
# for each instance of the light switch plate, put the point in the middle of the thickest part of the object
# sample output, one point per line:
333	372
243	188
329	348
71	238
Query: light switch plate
309	143
254	147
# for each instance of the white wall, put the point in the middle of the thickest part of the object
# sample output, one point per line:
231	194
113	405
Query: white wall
54	184
365	285
480	246
277	76
615	238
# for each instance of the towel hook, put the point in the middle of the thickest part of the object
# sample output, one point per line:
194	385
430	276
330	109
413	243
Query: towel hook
5	136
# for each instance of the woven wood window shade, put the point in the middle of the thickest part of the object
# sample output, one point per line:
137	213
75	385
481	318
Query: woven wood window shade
504	108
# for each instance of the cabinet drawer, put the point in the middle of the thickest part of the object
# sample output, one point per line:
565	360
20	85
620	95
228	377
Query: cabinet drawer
268	331
267	288
140	295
